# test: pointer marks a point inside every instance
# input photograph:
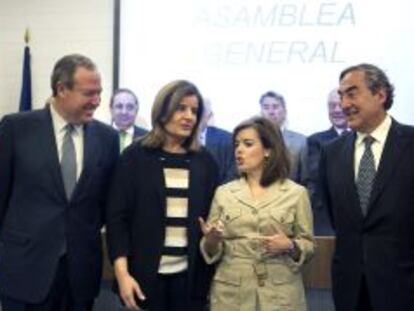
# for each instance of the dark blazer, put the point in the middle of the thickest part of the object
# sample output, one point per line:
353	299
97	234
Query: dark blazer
139	131
380	245
36	219
220	144
136	216
322	225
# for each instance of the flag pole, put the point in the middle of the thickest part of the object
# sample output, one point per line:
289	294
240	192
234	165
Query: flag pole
27	36
26	90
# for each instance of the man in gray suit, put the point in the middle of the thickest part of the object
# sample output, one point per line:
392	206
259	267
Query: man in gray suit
273	107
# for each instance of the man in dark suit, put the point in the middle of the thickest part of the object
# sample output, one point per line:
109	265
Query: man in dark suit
315	142
273	107
220	144
367	178
124	108
55	166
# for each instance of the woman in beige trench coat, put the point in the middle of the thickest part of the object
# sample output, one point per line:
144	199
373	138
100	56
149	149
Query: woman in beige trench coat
259	230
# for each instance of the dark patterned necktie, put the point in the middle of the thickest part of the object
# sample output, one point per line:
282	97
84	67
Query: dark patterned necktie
68	162
366	175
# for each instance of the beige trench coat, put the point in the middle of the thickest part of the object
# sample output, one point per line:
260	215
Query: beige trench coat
248	279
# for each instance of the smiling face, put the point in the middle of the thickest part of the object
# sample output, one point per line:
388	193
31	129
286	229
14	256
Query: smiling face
336	115
181	124
364	110
249	152
124	110
77	104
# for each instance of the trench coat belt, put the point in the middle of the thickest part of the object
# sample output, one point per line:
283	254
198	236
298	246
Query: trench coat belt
260	270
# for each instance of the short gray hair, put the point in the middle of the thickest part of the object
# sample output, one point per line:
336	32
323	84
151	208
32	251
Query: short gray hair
376	79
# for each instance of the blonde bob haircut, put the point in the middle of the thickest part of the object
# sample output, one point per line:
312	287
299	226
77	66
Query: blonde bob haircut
167	102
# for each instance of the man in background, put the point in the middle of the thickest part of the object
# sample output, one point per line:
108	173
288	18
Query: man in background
367	180
322	225
124	108
273	107
219	143
55	167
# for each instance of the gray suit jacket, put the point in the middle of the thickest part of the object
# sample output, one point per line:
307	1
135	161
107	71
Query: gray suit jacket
296	144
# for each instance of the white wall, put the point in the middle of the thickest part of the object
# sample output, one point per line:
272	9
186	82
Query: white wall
57	27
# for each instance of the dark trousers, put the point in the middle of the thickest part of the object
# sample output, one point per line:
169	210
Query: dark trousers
58	299
364	300
171	293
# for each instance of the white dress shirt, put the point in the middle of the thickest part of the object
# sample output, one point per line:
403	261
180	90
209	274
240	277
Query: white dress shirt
380	136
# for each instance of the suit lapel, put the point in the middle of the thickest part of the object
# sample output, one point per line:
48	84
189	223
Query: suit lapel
209	136
158	177
332	133
50	150
391	155
241	191
350	190
91	152
274	192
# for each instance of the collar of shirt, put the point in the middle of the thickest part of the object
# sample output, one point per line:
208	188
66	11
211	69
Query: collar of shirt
59	122
379	134
130	130
203	136
340	131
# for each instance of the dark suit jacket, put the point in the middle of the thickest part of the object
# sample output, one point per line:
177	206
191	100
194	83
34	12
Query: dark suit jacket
136	216
381	244
36	219
322	225
220	144
139	131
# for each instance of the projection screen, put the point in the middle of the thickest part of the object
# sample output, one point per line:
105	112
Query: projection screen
235	50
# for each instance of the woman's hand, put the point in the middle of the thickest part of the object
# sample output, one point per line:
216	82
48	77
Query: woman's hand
277	243
128	286
128	290
213	234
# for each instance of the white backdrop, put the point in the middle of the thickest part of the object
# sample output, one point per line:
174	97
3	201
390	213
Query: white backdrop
235	50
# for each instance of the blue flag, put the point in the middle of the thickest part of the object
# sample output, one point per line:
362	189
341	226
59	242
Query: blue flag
26	92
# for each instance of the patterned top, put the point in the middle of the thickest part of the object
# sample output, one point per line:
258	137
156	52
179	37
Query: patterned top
176	176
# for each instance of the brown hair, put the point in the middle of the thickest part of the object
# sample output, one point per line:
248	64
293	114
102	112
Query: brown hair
65	68
277	165
166	103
